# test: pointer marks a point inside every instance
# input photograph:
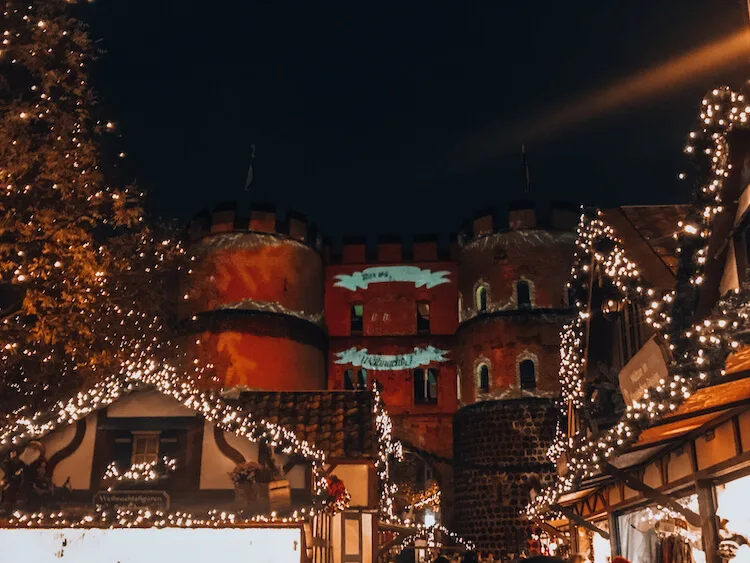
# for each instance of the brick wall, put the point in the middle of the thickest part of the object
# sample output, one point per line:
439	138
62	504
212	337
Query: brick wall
390	308
502	342
499	454
398	385
500	260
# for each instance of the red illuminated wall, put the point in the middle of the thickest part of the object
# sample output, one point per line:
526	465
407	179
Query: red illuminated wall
254	312
261	362
398	386
503	342
390	328
234	267
543	258
391	308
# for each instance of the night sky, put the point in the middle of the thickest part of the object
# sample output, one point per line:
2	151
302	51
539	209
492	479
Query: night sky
403	117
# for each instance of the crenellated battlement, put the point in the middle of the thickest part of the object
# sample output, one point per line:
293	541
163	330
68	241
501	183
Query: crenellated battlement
389	249
260	218
522	215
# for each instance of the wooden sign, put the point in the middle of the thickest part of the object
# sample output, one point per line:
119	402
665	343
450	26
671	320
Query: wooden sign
644	370
132	500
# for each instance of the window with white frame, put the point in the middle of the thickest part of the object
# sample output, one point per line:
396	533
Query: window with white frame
527	374
483	377
523	294
145	447
480	298
425	386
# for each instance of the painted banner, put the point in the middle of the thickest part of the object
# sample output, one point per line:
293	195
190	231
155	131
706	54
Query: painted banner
380	274
381	362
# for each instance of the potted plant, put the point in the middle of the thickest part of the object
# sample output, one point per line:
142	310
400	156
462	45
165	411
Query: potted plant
245	479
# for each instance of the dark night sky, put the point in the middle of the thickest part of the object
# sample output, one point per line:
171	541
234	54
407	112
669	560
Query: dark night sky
362	112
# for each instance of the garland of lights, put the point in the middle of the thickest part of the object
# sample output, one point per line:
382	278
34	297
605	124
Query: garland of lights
387	448
210	405
144	518
430	534
428	497
700	350
213	408
140	472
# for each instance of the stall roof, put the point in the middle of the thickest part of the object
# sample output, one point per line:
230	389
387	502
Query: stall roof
340	423
657	225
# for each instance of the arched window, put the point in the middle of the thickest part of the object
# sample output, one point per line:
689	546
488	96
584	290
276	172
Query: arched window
483	375
481	298
351	382
527	371
523	294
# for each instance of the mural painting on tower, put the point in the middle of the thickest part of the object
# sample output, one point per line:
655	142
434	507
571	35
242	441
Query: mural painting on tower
254	301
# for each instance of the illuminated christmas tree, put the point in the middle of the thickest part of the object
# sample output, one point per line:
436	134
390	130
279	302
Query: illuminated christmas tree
80	290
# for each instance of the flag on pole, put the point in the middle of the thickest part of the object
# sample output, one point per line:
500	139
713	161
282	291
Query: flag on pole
250	170
525	169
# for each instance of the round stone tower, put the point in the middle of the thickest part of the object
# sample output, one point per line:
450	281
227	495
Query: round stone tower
254	300
513	302
500	451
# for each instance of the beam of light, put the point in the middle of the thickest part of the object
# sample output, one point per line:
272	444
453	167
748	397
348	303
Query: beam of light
646	84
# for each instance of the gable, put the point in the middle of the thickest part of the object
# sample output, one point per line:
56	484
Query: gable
148	404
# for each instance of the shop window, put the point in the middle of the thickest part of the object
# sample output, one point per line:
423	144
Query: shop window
145	447
352	381
357	317
481	298
423	316
527	371
425	386
523	295
483	377
658	535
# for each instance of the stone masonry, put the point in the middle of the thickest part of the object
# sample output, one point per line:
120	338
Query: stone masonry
499	456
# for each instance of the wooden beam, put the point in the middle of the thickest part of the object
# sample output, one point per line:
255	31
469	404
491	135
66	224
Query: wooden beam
652	494
386	547
710	529
572	516
551	530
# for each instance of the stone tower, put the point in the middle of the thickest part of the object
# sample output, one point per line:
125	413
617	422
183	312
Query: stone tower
513	303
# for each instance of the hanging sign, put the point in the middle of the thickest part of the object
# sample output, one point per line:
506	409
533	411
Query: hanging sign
380	362
644	370
380	274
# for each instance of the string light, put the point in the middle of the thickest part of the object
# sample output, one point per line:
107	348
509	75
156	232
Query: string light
140	472
144	518
699	350
430	533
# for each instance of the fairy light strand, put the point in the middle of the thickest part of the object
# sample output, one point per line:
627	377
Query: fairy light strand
700	349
